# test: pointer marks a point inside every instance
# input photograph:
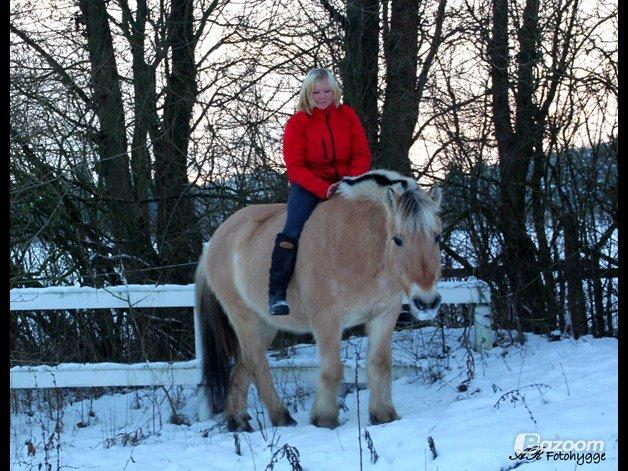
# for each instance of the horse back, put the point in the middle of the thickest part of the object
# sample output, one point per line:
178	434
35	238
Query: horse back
337	267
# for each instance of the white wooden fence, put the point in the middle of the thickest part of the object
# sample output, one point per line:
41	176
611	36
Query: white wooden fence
473	292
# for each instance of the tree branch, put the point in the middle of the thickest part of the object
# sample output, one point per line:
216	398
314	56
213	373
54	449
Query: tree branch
58	68
335	14
435	44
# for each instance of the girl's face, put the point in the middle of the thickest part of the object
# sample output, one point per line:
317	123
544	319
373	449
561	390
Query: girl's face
322	94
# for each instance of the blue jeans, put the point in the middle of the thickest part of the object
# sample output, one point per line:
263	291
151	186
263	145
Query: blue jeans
301	204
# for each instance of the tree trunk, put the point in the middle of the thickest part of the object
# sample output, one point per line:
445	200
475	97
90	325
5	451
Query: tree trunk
144	107
131	239
515	150
539	204
573	267
609	310
178	236
359	67
400	111
404	87
598	302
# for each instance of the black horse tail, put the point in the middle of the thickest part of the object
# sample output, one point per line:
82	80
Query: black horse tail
216	346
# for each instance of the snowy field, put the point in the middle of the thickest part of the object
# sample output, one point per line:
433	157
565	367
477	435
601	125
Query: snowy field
471	405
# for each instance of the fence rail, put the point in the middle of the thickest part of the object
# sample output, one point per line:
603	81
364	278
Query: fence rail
474	292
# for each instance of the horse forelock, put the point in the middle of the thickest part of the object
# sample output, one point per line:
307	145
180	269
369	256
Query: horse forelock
416	212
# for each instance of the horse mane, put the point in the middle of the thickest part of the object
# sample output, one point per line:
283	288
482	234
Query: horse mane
373	185
415	210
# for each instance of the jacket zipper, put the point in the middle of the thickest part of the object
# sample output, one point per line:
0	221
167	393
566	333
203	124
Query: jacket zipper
324	149
333	146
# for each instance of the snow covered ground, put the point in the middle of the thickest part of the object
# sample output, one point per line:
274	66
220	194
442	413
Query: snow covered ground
472	405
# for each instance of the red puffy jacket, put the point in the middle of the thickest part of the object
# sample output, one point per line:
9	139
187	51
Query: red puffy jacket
321	148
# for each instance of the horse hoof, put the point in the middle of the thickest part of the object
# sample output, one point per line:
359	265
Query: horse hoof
325	422
385	418
284	419
241	425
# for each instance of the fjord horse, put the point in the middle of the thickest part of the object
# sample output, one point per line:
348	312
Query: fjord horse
360	252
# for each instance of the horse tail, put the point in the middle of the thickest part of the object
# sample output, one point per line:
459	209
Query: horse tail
216	346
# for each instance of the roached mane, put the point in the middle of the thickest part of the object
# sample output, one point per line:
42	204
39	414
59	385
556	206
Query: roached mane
414	211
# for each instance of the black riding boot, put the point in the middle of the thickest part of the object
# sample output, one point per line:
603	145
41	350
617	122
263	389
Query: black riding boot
281	268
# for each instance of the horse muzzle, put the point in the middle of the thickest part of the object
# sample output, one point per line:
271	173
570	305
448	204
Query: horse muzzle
425	308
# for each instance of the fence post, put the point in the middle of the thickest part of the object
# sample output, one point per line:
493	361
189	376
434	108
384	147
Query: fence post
482	327
482	319
197	336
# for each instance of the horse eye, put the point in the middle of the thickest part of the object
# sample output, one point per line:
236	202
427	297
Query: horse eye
437	239
398	241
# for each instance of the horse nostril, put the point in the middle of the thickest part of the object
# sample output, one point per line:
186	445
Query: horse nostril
420	305
436	302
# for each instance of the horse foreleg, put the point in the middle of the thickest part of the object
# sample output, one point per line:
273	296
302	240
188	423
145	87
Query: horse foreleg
379	366
325	408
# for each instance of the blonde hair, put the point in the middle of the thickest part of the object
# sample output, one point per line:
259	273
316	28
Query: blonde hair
306	101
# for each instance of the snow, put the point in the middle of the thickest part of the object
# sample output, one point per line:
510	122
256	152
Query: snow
569	387
88	289
105	366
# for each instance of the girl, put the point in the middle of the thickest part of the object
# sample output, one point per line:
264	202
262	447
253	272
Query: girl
323	142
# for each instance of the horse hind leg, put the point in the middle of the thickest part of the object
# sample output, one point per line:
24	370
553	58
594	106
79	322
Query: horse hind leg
259	369
254	338
236	408
216	342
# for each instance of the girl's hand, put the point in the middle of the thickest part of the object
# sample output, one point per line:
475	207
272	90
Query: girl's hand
332	189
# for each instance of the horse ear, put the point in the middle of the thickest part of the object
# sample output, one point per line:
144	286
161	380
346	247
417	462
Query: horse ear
436	194
391	199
